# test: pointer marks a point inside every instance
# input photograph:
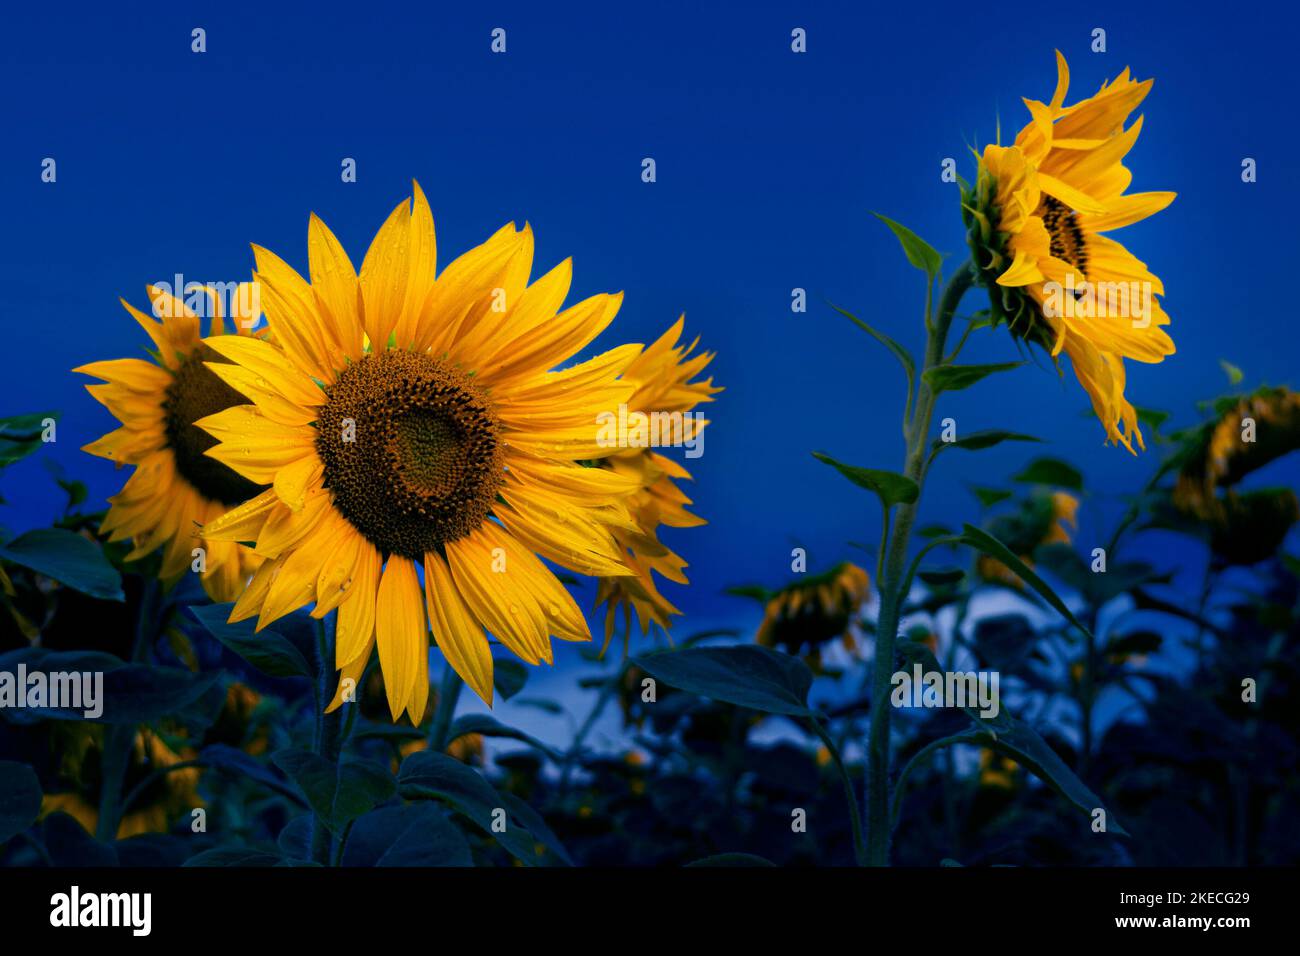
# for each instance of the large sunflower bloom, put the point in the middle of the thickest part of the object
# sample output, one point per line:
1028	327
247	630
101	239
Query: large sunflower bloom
175	487
410	425
662	375
1037	217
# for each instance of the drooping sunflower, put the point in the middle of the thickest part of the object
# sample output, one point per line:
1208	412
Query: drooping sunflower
662	375
806	615
1043	519
175	487
413	426
1247	433
1037	217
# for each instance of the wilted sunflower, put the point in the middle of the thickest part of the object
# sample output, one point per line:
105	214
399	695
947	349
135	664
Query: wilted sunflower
662	377
1043	519
1036	218
1247	434
175	487
413	424
159	805
809	613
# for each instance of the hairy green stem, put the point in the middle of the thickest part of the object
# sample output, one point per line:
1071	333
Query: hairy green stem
892	575
448	698
329	738
120	738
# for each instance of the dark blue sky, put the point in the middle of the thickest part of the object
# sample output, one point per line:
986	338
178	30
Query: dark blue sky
769	164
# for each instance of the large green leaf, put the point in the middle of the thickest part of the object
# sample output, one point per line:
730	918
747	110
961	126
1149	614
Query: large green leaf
954	378
20	798
282	651
489	726
340	792
1051	471
67	558
892	488
434	776
1017	740
130	693
985	438
982	541
919	252
415	834
731	860
746	675
238	856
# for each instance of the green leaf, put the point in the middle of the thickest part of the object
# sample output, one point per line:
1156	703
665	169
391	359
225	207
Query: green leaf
1051	471
990	496
20	435
340	792
1235	375
131	693
942	578
892	488
919	252
489	726
508	677
270	651
904	357
745	675
982	541
731	859
1016	739
953	378
415	834
434	776
985	438
239	856
69	559
1152	418
932	531
20	798
756	591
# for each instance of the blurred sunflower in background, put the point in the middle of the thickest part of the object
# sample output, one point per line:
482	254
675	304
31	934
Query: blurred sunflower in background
162	795
1247	433
1036	219
662	375
1044	518
409	423
175	487
803	617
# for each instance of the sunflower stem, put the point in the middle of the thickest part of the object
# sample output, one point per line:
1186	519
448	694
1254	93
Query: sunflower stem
329	739
120	738
893	574
448	698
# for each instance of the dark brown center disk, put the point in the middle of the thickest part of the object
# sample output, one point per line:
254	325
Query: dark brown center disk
411	451
195	393
1065	232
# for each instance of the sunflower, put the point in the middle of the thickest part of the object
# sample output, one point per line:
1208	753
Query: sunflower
1043	519
1036	220
815	611
423	455
175	487
1218	457
662	376
159	804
